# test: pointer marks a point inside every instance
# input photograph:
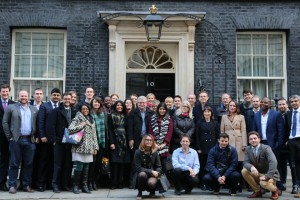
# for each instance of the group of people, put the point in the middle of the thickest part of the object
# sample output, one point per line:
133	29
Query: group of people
237	145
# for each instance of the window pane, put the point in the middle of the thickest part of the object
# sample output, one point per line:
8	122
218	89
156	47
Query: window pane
275	66
39	43
29	85
21	85
22	66
242	85
259	44
275	44
39	66
23	43
56	43
243	44
275	88
259	87
55	66
259	66
244	66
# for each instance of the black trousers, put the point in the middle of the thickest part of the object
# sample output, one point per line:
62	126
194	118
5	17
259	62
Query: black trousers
183	180
4	158
294	147
232	181
45	167
62	165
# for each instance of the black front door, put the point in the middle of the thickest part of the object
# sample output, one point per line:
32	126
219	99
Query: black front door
162	85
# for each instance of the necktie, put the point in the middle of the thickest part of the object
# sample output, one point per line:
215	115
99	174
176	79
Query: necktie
294	125
4	105
55	106
254	152
68	115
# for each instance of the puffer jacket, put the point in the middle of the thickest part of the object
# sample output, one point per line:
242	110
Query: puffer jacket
89	142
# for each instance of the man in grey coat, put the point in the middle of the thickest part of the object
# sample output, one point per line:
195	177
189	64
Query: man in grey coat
260	167
19	125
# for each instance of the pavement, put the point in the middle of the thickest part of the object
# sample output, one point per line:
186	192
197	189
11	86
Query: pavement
126	194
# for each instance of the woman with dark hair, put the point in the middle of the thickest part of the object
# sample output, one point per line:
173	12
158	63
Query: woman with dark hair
147	165
129	106
82	154
183	124
118	143
234	125
100	119
207	133
161	127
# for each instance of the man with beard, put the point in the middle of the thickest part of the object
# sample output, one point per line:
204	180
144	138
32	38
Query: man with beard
246	104
19	125
45	154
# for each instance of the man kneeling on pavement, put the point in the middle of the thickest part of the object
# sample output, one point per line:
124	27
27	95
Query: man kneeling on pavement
260	167
221	165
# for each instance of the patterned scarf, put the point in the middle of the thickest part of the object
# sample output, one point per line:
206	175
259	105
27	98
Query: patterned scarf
119	129
161	132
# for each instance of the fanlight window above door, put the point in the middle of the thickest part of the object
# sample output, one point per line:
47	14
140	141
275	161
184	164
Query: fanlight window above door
150	57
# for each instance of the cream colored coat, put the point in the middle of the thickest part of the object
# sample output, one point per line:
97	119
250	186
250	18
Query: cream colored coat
237	133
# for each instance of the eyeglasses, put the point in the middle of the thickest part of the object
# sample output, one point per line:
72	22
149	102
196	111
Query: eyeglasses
148	140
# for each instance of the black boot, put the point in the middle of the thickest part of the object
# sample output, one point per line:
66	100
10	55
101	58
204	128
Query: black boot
76	180
85	175
94	185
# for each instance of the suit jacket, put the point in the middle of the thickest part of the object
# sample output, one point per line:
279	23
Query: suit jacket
265	161
12	121
2	134
288	123
57	122
42	118
275	129
134	125
237	133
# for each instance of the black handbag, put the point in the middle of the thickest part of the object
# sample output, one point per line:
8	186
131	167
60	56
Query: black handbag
163	183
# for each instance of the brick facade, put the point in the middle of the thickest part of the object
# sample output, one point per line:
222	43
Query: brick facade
85	33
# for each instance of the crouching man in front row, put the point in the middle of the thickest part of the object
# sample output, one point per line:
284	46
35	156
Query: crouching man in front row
186	166
260	167
221	166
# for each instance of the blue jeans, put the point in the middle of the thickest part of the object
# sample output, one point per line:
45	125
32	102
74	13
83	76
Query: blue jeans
21	151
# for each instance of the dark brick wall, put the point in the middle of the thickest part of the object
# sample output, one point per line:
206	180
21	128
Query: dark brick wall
84	33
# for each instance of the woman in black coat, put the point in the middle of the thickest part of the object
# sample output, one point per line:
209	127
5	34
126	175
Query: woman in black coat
207	132
118	143
183	124
147	165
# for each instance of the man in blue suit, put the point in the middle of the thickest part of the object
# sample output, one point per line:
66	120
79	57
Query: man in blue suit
270	126
45	154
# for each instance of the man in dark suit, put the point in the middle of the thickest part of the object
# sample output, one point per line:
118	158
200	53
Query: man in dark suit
270	126
19	125
4	149
198	109
138	126
293	134
59	119
260	167
45	145
246	104
249	114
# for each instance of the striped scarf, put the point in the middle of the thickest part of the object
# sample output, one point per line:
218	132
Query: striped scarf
161	132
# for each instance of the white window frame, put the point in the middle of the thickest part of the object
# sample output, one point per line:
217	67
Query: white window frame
13	78
283	78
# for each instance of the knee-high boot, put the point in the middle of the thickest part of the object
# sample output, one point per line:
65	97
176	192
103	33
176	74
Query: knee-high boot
85	176
76	180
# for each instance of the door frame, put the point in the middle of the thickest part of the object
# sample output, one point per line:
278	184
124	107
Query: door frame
181	32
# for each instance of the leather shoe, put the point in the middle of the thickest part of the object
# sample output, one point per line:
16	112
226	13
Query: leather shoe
28	189
295	189
177	192
40	189
275	195
255	195
12	190
55	189
297	196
